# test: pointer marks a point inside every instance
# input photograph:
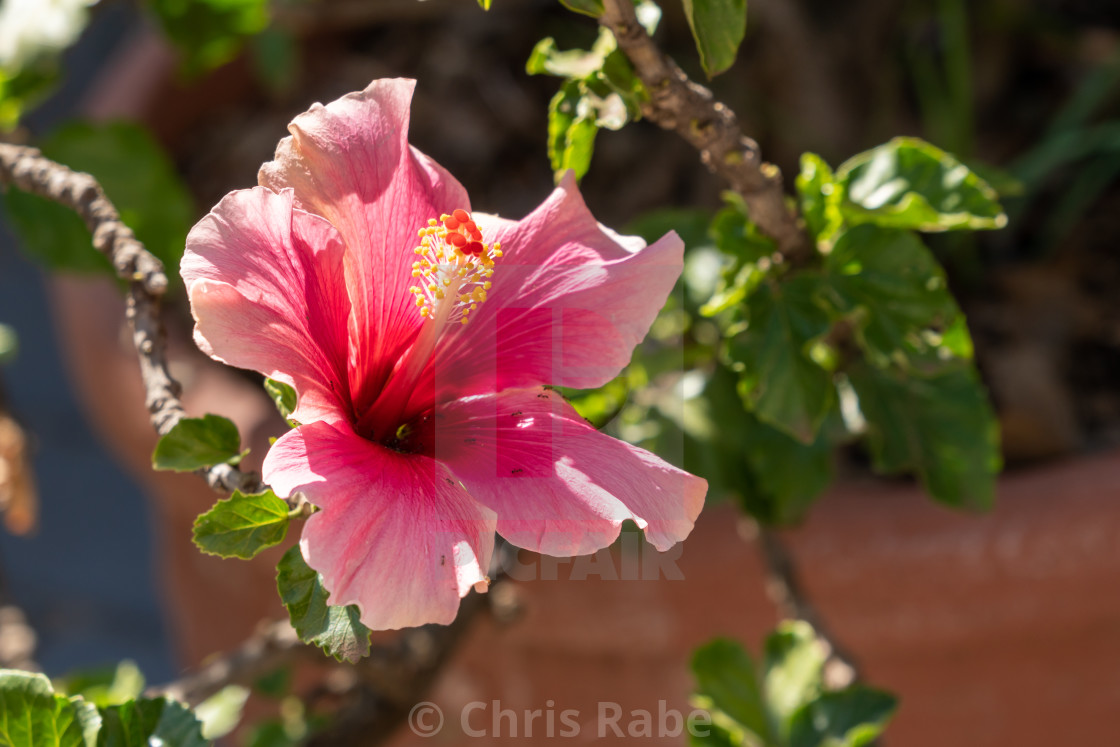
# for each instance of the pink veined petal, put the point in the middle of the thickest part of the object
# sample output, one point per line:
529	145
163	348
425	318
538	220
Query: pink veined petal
557	485
350	162
267	293
568	305
397	535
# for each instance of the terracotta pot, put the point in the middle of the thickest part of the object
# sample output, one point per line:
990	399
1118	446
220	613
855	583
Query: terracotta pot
993	630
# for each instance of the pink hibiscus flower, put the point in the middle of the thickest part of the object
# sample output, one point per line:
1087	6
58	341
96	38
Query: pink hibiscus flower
419	338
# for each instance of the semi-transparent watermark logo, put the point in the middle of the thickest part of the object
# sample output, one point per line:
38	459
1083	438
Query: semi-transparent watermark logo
491	720
630	559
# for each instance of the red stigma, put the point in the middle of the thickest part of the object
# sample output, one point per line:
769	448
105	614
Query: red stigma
473	248
457	239
461	215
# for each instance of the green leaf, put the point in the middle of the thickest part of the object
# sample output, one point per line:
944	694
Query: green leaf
242	525
778	381
221	712
144	722
276	59
103	686
789	473
195	443
547	59
940	427
210	33
284	396
718	26
484	4
908	183
792	671
894	285
337	630
9	344
571	136
22	89
747	253
728	688
136	174
593	8
852	717
32	714
819	195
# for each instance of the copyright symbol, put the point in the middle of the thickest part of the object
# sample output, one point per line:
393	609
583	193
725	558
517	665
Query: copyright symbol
425	719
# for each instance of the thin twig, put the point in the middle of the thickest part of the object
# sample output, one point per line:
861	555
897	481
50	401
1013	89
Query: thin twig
677	103
29	170
783	585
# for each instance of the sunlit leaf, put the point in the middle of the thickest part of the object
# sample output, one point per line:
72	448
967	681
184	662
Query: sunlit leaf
939	426
792	671
242	525
779	381
727	687
593	8
893	284
194	443
718	26
337	630
143	723
32	714
853	717
284	397
819	195
571	137
908	183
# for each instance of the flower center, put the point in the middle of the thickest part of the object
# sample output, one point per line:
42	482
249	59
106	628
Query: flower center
454	266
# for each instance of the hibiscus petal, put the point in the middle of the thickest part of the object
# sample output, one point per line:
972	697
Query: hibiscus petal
350	162
397	535
267	292
557	485
570	301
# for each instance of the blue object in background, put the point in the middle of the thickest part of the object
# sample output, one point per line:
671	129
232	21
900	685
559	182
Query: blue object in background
86	579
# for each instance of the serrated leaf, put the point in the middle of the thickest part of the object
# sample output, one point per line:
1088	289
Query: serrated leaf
593	8
939	426
283	396
852	717
820	197
718	26
195	443
242	525
337	630
136	174
32	715
778	381
895	280
727	686
908	183
790	474
146	722
571	136
792	672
